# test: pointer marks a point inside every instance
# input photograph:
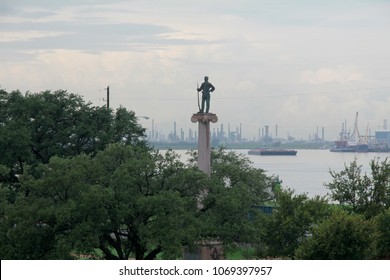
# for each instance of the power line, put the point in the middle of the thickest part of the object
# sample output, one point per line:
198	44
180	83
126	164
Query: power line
317	93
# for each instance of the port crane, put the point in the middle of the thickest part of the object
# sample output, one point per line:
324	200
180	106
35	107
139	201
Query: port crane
354	139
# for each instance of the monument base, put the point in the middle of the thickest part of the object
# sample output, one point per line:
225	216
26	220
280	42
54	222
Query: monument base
208	250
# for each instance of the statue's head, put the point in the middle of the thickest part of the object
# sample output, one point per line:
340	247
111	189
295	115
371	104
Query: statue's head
206	78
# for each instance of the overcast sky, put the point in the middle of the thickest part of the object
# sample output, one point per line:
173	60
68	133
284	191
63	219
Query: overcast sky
296	64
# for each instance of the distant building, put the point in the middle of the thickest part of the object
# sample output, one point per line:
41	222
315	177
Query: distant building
382	137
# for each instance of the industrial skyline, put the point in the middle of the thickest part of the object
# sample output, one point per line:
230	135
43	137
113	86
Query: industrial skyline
227	132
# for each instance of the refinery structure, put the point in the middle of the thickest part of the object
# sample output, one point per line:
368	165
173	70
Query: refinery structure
350	139
222	134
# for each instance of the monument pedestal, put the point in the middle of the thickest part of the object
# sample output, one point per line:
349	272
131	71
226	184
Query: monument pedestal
204	150
207	249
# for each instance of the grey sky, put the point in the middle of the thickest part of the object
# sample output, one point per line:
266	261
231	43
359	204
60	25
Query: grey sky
297	64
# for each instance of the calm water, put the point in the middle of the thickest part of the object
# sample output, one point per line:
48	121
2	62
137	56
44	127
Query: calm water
309	169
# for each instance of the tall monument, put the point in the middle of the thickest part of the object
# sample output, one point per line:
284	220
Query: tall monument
203	118
206	249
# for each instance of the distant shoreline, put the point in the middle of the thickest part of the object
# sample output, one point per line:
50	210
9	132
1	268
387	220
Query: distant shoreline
320	145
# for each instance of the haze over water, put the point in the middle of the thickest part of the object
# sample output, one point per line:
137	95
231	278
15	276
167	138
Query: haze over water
308	171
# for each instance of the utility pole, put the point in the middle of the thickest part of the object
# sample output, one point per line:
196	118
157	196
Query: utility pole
108	97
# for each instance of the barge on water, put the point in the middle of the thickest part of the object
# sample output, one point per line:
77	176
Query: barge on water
272	152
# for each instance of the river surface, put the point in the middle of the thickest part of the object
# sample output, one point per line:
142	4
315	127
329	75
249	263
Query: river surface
308	171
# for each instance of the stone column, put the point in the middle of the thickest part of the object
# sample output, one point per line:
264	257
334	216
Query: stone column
210	249
204	150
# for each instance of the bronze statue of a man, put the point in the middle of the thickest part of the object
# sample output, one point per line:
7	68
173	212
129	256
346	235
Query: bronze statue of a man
206	88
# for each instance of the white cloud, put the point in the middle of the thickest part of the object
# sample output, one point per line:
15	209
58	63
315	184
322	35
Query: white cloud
338	74
26	36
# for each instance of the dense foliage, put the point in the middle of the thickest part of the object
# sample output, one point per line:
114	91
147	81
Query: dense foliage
365	194
36	126
126	202
341	237
293	220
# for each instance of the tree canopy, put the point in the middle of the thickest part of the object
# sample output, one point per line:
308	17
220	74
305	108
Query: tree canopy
340	237
125	202
78	180
36	126
293	220
367	194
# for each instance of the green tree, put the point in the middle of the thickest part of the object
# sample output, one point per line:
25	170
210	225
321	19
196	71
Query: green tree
35	127
14	135
126	202
230	211
342	236
380	186
232	170
382	240
368	195
291	223
177	205
47	209
157	198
